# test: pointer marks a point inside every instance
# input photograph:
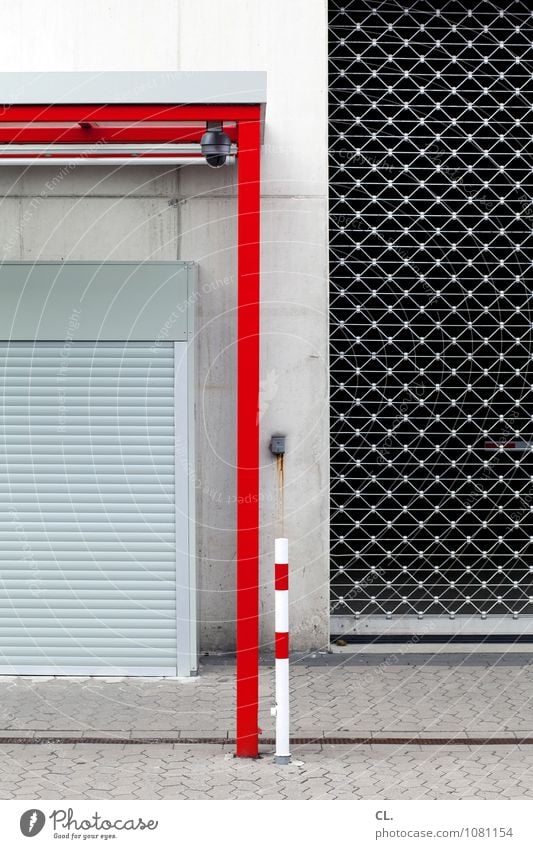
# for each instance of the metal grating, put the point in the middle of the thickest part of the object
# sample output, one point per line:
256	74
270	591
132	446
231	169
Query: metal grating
26	739
430	308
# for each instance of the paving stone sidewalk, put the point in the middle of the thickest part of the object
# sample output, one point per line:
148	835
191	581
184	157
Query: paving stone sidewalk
356	693
458	695
84	771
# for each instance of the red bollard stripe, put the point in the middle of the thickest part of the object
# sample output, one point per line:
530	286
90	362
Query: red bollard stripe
282	646
281	576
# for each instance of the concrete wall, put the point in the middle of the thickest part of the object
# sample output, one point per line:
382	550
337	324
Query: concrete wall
190	214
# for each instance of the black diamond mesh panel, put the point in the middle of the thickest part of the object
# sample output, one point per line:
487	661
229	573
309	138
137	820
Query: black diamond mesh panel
431	296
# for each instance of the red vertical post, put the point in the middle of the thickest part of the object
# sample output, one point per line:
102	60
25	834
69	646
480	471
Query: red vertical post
248	438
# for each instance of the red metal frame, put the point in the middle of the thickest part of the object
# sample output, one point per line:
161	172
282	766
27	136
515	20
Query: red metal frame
79	123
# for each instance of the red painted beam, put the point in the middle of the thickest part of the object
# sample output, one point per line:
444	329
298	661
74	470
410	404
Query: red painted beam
249	143
133	134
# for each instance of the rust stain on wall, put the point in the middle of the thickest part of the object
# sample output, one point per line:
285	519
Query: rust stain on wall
280	480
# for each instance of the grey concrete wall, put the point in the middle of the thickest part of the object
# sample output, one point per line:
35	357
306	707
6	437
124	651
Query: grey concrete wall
91	213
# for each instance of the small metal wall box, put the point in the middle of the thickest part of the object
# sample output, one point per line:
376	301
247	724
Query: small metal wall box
277	445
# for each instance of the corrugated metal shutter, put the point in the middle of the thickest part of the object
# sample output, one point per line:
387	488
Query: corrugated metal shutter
87	511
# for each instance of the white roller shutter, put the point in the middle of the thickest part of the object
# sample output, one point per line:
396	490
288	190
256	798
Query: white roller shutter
87	508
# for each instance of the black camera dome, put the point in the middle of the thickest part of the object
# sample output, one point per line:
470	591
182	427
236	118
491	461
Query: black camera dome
216	146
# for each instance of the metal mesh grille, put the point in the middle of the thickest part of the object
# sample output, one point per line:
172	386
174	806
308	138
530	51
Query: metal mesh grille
431	295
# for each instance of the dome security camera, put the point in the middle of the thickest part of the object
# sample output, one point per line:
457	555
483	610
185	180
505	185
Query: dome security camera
215	146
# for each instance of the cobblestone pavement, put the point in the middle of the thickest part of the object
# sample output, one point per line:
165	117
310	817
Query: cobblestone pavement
85	771
371	695
361	693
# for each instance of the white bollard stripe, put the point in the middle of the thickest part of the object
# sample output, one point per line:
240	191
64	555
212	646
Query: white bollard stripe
281	550
281	600
282	713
